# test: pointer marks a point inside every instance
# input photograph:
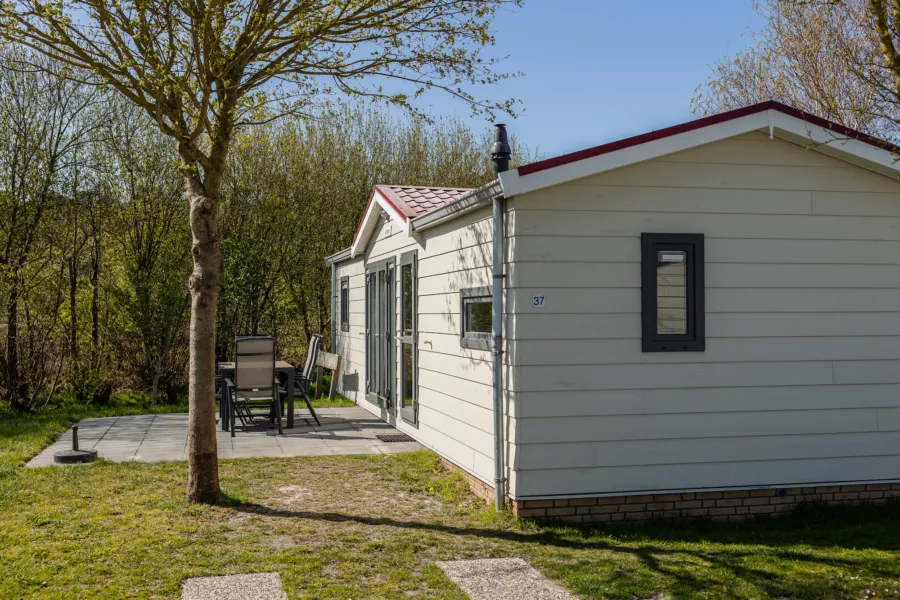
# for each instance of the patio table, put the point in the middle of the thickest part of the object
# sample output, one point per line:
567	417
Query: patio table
226	369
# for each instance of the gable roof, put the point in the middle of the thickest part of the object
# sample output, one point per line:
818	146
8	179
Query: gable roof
402	203
410	204
771	117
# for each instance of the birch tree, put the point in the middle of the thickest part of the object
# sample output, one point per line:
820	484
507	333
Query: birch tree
202	68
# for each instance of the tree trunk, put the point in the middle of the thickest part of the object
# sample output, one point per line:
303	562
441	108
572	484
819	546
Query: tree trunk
204	285
73	309
12	344
154	389
95	299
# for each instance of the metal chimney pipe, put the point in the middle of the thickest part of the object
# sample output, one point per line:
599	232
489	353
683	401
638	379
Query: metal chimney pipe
501	151
500	155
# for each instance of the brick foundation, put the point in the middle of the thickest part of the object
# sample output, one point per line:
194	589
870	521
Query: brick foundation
731	505
478	487
728	505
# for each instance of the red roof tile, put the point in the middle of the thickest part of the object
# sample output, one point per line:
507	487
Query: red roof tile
413	201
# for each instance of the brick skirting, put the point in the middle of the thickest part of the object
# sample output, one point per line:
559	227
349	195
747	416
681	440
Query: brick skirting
731	505
478	487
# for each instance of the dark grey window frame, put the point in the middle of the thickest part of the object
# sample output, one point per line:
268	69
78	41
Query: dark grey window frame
695	338
472	340
345	303
410	414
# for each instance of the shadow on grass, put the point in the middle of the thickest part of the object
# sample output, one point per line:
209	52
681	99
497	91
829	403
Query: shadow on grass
818	552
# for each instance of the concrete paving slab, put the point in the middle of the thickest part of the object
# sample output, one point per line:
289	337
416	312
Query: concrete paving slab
502	579
150	438
254	586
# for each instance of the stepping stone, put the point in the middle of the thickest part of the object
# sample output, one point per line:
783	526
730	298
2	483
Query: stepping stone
502	579
253	586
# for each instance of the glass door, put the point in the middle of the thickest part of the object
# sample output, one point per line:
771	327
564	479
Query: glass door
380	333
408	398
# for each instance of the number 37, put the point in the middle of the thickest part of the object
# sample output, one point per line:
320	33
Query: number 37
537	301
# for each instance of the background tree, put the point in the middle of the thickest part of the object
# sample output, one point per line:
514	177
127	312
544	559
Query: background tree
201	69
820	56
151	237
45	120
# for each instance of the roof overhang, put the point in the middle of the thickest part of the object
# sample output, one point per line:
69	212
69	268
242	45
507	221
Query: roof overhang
378	202
338	257
473	200
772	118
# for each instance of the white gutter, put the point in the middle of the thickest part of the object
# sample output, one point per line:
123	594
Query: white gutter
338	257
473	200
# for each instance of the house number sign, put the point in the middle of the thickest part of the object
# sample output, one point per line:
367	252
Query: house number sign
538	301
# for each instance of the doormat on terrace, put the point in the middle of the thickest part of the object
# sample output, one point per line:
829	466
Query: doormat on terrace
394	437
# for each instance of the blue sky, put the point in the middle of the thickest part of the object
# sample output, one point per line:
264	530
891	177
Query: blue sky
600	70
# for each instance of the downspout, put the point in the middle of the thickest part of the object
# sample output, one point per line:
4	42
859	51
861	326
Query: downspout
500	154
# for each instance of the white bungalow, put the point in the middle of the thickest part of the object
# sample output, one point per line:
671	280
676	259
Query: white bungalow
700	321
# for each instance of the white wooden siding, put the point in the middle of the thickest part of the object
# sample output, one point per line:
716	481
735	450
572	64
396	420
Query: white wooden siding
800	381
455	393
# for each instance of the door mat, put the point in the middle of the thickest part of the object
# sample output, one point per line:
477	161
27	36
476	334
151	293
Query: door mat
394	437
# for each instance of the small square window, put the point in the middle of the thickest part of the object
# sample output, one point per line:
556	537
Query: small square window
345	304
672	293
476	317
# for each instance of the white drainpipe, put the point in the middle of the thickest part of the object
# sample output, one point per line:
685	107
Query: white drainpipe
497	333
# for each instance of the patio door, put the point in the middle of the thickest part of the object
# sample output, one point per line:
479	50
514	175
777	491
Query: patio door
380	300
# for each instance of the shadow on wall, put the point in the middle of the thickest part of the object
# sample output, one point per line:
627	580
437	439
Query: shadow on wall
471	269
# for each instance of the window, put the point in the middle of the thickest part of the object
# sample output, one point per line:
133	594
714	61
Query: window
409	402
475	318
672	303
345	304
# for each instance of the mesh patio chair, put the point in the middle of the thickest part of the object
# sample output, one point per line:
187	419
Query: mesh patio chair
255	384
303	379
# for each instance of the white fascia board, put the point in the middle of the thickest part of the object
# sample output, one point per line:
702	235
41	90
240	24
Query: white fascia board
787	127
514	184
370	221
834	144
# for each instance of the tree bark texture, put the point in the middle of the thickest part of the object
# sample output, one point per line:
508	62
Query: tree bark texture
204	284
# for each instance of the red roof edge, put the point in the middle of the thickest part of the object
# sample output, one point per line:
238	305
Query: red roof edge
363	217
390	199
387	198
730	115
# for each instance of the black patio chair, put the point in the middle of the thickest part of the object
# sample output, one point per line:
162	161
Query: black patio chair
255	384
303	379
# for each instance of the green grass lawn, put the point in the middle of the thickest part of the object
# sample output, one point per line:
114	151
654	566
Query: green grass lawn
373	526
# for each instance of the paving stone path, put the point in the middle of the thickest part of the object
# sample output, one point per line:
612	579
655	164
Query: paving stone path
151	438
254	586
502	579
